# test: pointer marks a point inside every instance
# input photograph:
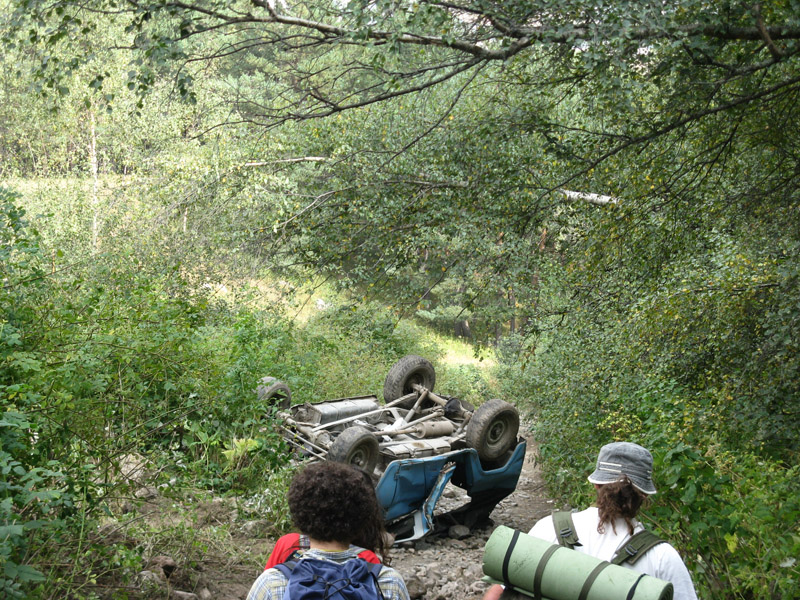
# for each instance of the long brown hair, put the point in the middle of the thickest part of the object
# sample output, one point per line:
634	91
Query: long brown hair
618	499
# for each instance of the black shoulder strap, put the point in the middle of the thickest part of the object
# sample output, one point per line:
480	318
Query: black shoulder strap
636	547
287	567
374	568
565	529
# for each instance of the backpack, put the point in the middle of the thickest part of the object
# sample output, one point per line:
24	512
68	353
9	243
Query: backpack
636	546
317	579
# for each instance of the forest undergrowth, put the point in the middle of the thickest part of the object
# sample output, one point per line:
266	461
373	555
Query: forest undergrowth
144	349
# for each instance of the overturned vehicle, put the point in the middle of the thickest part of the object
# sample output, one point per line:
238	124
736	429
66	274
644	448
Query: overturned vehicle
413	444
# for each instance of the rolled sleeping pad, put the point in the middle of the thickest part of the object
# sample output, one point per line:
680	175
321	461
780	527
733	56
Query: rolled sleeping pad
548	571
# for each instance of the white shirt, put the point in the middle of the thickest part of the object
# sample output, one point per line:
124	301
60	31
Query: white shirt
661	561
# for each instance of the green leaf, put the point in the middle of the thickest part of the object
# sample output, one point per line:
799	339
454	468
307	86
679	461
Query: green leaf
689	494
9	530
27	573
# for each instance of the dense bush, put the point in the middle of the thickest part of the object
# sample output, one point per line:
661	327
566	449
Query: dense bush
161	365
31	485
728	497
151	365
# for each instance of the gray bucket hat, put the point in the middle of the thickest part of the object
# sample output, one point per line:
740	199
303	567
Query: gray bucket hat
625	458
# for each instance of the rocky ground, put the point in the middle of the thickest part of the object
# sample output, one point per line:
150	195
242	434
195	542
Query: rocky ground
436	568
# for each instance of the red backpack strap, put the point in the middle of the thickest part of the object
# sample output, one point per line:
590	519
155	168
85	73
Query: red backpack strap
369	556
285	547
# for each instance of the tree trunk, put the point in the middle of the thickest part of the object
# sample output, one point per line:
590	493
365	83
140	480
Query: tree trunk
93	169
512	303
462	329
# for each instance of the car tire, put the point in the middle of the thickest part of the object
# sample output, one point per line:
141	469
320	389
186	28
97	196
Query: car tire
406	372
493	429
355	446
274	392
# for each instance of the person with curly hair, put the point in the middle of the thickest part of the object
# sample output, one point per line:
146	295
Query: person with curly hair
335	508
375	545
622	481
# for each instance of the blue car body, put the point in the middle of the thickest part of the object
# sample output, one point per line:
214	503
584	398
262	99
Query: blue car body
410	488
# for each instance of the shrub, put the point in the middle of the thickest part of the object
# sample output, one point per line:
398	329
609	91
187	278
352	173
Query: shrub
31	486
729	506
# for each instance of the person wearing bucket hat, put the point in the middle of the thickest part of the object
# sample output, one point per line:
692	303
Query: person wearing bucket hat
623	478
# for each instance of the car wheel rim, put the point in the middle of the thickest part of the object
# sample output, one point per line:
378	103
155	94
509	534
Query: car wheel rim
414	379
496	433
359	458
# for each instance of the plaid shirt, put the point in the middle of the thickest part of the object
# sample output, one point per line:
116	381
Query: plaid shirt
271	584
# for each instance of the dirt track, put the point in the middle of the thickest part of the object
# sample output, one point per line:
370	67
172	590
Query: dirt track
436	568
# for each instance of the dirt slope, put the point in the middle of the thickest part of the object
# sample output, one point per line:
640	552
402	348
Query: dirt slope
437	568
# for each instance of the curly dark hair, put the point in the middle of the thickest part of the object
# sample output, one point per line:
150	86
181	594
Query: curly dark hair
334	502
618	499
